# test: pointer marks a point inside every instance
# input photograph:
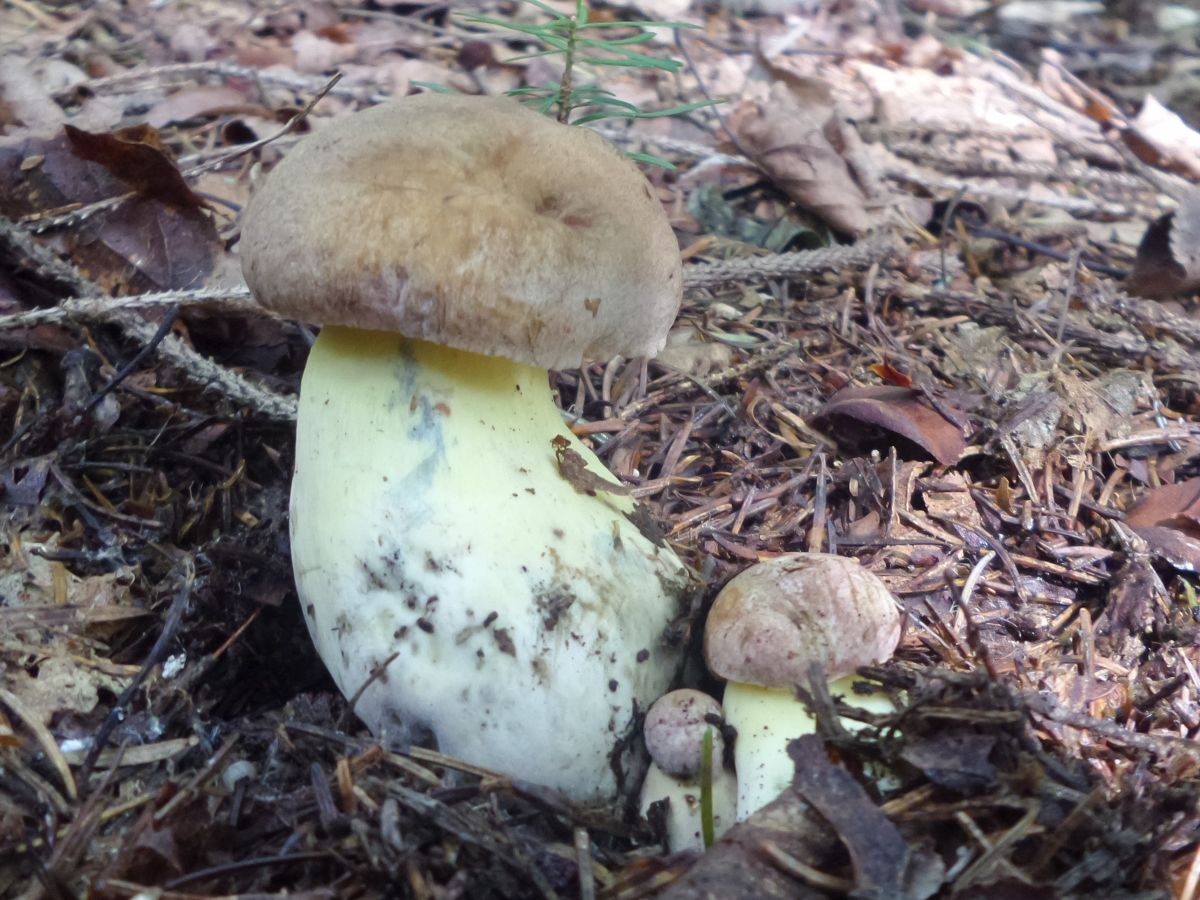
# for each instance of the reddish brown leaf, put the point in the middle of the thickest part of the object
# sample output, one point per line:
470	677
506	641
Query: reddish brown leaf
142	166
891	375
1173	505
142	245
898	410
1168	520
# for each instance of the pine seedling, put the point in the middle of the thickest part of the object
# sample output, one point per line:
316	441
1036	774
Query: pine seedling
579	41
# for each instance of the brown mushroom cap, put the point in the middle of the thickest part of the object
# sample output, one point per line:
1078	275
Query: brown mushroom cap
771	622
674	731
471	222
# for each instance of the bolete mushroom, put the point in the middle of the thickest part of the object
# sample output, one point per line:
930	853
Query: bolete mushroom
674	733
767	627
455	248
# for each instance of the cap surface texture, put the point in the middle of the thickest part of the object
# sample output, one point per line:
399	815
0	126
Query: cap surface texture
674	731
774	620
471	222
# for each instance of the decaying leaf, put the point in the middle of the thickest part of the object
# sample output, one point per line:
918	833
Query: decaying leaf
1168	520
736	867
133	157
1168	258
789	140
573	468
955	760
43	608
143	244
1176	505
884	864
694	357
1135	601
61	685
898	410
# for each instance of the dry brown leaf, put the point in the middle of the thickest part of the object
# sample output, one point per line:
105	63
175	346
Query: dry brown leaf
192	102
1172	139
1168	520
1168	258
950	502
900	411
787	137
62	685
143	244
573	468
136	159
1176	505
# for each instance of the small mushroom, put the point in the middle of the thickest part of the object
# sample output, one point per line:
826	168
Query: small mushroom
468	570
766	629
674	733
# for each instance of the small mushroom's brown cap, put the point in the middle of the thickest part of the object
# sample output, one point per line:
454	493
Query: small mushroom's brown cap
674	731
771	622
471	222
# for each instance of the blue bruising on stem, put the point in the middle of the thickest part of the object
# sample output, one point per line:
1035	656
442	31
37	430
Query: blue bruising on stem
427	423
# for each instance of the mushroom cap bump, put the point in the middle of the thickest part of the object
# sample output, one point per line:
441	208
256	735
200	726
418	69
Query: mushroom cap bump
471	222
772	621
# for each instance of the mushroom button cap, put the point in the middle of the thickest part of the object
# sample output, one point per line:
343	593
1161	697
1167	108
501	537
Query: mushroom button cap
674	731
471	222
772	621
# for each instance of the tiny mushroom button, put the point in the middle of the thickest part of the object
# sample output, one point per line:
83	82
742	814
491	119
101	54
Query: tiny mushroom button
767	628
674	733
455	248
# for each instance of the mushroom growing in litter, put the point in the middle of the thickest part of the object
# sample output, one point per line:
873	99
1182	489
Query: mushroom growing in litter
768	626
674	733
442	515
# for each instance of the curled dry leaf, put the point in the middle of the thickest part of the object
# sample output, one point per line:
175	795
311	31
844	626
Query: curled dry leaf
884	863
133	157
144	244
901	411
1168	520
1162	135
788	138
1168	258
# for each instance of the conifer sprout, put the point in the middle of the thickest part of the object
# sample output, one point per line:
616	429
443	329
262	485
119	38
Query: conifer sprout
767	627
442	515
